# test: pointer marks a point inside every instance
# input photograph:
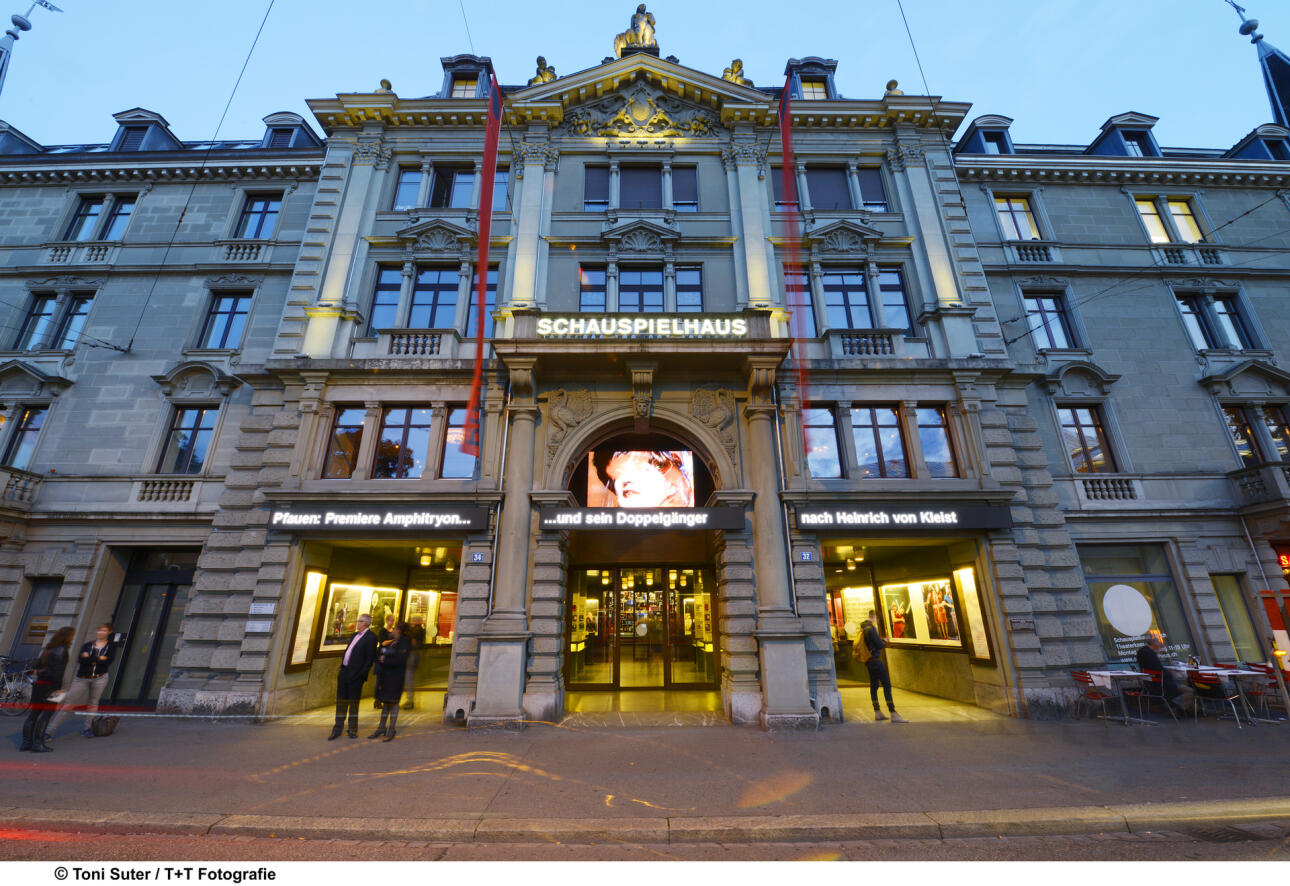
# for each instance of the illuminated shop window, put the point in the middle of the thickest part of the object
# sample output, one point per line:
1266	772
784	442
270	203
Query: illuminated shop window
1134	594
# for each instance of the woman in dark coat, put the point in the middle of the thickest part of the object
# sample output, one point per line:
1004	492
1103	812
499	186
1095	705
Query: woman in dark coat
390	664
49	679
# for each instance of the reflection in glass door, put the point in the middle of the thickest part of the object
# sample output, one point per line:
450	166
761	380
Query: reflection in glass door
641	628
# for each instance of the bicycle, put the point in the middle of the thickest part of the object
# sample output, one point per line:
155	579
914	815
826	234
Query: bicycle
16	679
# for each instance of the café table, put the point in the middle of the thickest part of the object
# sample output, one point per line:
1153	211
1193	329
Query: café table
1116	681
1230	676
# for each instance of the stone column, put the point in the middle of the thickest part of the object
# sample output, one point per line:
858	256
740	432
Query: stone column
737	229
786	692
544	689
531	160
503	641
741	698
748	160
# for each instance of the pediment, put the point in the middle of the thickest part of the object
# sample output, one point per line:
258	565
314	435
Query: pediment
1131	119
1253	379
641	110
612	76
21	379
1080	379
640	236
436	236
840	237
195	379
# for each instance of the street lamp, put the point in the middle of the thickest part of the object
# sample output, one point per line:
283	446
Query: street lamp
20	23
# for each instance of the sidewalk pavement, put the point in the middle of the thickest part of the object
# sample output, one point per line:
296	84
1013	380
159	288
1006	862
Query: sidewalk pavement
591	779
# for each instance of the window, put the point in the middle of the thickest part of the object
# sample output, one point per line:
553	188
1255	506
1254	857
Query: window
434	299
188	440
1137	144
226	320
132	138
640	187
23	441
872	191
995	143
405	439
1180	225
36	325
465	86
259	214
827	187
85	224
689	290
1047	320
1085	439
591	288
342	448
1277	148
782	203
1274	419
279	138
797	296
457	465
385	301
895	310
595	188
490	304
501	189
880	447
815	88
1236	618
846	299
85	219
1214	322
685	189
640	290
38	330
1016	218
452	187
934	437
1238	426
821	436
1133	594
69	330
408	189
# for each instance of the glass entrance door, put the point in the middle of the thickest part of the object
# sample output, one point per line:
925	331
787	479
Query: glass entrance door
149	612
641	628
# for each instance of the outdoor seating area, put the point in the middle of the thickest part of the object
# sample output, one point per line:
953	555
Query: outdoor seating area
1246	693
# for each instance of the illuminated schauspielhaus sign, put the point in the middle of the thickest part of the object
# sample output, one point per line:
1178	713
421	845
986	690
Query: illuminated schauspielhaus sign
638	326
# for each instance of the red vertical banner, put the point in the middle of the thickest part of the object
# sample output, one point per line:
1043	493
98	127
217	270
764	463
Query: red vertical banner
470	433
796	279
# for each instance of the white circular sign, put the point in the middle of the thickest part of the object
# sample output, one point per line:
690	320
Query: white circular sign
1127	610
851	628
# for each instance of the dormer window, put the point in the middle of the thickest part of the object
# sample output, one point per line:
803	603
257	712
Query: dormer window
279	138
1277	148
814	89
132	138
1138	144
995	143
465	86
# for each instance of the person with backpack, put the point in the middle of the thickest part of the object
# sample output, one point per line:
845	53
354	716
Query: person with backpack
868	649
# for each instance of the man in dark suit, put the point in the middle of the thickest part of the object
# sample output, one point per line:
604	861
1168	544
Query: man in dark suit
355	665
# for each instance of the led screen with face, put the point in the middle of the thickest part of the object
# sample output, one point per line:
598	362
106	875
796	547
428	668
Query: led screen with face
639	478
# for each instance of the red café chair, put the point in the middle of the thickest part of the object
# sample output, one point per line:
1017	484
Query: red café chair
1263	692
1091	692
1211	694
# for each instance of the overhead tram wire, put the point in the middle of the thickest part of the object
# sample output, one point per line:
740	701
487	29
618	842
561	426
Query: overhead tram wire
210	147
467	24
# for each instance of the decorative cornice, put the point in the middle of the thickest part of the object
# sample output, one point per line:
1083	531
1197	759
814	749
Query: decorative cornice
1155	172
147	176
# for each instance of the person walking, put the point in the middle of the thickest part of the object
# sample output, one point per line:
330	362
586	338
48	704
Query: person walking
391	668
417	634
355	665
49	679
91	678
878	676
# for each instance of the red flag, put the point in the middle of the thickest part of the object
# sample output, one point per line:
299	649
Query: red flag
795	275
470	433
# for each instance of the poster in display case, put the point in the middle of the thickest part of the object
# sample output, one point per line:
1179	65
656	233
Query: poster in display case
345	602
922	613
973	617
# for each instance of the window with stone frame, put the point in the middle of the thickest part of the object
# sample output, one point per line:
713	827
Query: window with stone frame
455	464
1215	322
846	298
188	439
225	320
879	442
1260	432
591	288
1048	320
434	298
344	442
936	442
53	321
640	187
100	217
403	444
1016	217
872	190
1085	438
827	187
385	300
22	440
800	303
407	190
820	433
814	88
782	203
259	216
490	304
595	188
465	86
685	188
452	186
640	289
1169	219
689	289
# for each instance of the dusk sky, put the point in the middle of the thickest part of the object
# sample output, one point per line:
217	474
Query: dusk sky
1059	68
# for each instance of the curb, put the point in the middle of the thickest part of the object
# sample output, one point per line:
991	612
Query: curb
1052	821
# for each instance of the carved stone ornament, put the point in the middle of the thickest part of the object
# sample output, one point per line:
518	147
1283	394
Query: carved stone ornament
438	240
566	409
641	111
842	241
715	407
239	280
639	241
741	154
196	380
900	155
372	154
